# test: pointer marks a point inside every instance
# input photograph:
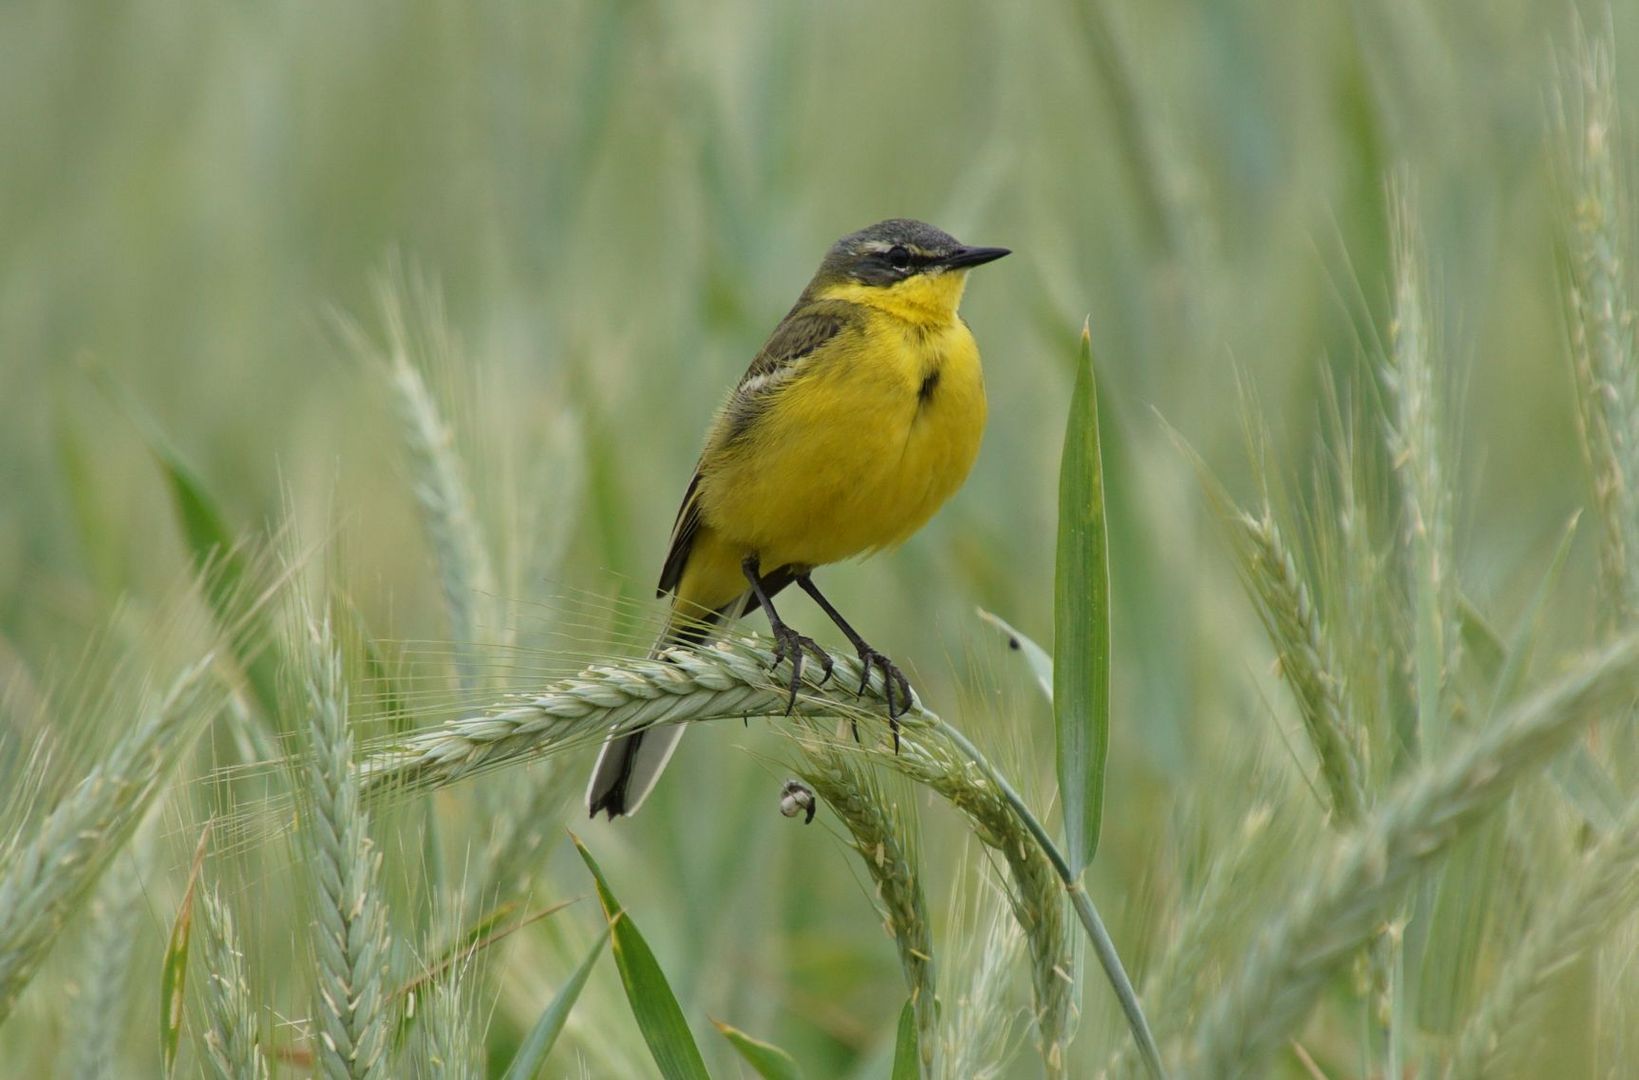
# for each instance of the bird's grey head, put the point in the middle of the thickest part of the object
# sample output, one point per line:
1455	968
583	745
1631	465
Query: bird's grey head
891	251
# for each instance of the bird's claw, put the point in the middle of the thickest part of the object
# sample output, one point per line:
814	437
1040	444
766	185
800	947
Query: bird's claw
895	687
790	645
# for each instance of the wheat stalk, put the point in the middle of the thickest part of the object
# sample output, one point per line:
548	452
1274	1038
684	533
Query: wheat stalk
1172	989
976	1033
451	1042
233	1049
43	879
1604	888
1269	573
935	758
466	572
350	935
730	679
888	849
114	911
1307	665
1606	361
523	828
1415	440
1370	868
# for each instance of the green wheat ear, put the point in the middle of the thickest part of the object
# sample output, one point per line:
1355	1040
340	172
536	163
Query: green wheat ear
1284	600
731	680
418	338
353	1014
1368	870
884	837
976	1030
1602	892
1604	351
1416	439
114	909
44	877
232	1038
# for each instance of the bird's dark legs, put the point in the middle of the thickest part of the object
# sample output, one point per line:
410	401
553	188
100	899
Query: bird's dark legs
788	644
892	678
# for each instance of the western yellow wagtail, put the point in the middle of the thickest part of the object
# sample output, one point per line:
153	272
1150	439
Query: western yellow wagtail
859	417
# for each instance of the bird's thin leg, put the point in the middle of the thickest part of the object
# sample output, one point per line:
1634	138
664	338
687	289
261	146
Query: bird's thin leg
788	644
892	678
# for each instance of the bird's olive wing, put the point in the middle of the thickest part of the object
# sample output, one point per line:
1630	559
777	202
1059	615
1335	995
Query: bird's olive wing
800	334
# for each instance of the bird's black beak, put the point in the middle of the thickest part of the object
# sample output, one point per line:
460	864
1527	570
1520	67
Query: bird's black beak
964	257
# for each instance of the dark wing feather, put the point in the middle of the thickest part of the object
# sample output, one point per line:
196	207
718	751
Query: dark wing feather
683	532
807	327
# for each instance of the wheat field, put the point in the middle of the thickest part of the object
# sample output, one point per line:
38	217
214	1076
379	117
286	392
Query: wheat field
353	360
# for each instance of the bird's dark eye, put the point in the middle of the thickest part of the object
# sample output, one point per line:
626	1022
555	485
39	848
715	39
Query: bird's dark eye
898	257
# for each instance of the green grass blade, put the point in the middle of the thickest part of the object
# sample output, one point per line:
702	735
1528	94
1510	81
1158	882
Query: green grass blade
1365	875
905	1054
215	552
1460	915
1036	657
384	671
481	935
99	538
655	1007
770	1061
1520	644
47	871
1081	621
1098	936
173	977
1585	783
1588	787
1481	641
1467	886
538	1043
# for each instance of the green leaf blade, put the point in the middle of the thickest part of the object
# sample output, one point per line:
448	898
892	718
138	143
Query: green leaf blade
1081	621
531	1056
1035	657
907	1054
215	552
654	1006
770	1062
173	975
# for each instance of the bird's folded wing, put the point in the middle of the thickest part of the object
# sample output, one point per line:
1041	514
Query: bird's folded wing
800	334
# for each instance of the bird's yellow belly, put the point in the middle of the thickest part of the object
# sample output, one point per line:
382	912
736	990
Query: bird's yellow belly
859	457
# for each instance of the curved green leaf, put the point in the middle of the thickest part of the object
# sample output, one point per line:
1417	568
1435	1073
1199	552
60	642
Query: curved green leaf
906	1054
654	1005
215	552
770	1061
173	976
538	1043
1081	621
1041	664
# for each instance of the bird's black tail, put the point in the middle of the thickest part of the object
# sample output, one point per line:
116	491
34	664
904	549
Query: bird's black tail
630	764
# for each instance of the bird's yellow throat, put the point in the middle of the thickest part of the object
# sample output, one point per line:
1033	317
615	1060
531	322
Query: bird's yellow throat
926	299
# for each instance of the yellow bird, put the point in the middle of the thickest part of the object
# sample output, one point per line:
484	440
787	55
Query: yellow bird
859	417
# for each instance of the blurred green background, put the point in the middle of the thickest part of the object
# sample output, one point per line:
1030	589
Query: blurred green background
618	200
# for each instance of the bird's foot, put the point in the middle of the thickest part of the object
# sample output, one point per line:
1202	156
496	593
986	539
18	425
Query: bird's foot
895	687
790	645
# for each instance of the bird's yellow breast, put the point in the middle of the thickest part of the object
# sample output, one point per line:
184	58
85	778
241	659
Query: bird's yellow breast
877	429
